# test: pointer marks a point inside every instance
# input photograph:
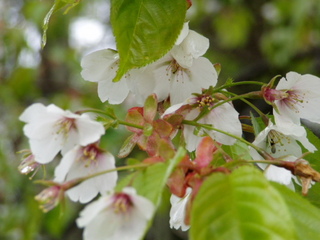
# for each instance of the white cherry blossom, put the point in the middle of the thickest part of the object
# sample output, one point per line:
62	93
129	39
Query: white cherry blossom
277	142
115	216
180	82
51	129
296	96
82	162
178	211
183	71
178	74
154	77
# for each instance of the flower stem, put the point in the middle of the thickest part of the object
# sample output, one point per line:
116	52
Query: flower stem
261	114
112	116
209	127
130	124
237	84
95	111
235	97
143	165
77	181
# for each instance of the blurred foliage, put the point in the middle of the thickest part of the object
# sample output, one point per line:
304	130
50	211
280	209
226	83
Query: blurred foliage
253	40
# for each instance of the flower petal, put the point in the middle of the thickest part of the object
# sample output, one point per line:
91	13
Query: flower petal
105	225
91	210
33	112
205	74
143	205
114	92
192	140
142	84
287	82
65	164
45	153
278	174
225	118
192	47
82	167
178	211
184	32
89	131
100	65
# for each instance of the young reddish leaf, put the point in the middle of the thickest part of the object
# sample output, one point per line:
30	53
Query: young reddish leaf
135	116
163	128
150	108
204	152
165	149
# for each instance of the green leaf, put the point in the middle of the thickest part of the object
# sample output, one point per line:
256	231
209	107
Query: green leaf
313	158
58	4
145	30
238	151
305	216
133	161
240	206
147	129
229	81
151	181
313	194
256	126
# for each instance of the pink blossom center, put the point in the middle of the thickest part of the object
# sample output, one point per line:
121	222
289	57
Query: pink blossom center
65	125
90	154
272	94
294	100
122	203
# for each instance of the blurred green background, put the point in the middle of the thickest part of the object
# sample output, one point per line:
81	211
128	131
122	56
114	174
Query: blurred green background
252	40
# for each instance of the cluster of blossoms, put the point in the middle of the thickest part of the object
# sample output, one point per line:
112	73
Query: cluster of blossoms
294	97
181	72
175	94
52	130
